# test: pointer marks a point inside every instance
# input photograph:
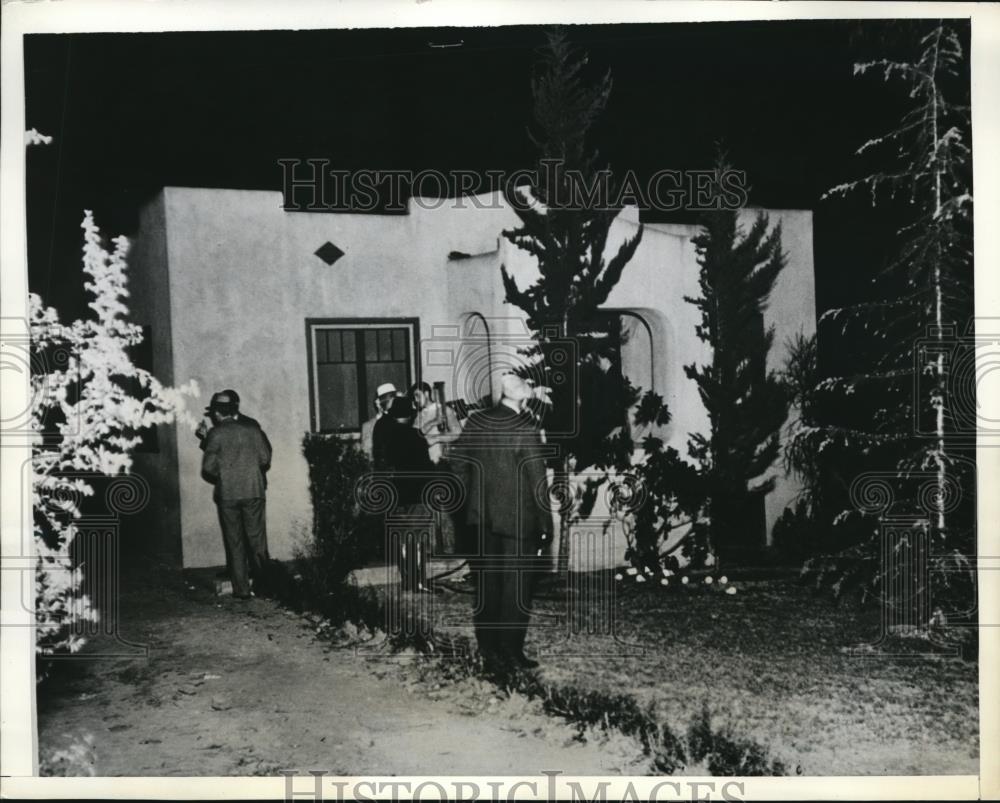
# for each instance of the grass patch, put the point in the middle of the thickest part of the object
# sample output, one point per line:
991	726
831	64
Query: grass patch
718	749
774	665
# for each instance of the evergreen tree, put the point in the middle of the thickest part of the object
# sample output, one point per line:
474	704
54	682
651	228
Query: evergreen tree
922	302
568	238
894	411
927	287
746	403
565	228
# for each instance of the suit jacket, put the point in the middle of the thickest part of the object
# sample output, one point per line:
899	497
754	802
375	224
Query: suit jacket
381	430
237	455
403	450
504	476
239	417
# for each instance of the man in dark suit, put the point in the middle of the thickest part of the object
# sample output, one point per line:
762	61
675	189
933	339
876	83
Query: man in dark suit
501	462
384	395
206	422
402	451
236	458
202	432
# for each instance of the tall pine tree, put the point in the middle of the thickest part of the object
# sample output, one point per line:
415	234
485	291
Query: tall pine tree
568	236
746	404
910	331
927	288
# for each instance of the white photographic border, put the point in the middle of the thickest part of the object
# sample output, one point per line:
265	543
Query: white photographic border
18	746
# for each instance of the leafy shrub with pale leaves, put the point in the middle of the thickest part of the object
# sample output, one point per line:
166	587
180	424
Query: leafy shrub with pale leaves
88	410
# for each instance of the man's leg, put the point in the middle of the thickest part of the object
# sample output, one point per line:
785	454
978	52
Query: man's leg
255	529
423	537
420	570
225	546
515	601
445	538
484	615
468	546
488	615
521	613
231	516
402	555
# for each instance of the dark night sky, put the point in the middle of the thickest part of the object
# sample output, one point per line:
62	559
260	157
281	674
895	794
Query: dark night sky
133	112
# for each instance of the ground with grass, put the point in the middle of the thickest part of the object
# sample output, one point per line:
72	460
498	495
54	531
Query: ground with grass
248	688
790	670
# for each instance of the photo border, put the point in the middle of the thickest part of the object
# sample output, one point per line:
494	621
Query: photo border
18	747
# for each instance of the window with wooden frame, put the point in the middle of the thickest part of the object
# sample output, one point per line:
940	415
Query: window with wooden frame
349	359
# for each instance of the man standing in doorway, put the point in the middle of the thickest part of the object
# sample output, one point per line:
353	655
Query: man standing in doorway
384	395
236	459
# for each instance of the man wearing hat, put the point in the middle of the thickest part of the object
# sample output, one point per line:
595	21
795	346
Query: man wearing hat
502	465
236	458
402	452
206	423
202	431
384	395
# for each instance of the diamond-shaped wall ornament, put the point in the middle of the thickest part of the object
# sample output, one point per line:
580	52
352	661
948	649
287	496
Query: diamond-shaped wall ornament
329	253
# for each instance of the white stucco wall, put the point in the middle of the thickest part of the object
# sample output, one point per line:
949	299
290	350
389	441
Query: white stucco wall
792	309
149	305
243	279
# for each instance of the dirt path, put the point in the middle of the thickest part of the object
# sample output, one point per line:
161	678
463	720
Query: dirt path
244	688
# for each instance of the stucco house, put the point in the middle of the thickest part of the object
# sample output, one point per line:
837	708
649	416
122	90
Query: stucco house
304	313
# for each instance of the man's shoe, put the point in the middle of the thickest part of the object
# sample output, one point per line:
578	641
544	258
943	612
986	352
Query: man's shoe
496	668
525	662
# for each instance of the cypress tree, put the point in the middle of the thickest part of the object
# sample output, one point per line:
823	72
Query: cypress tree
746	404
565	227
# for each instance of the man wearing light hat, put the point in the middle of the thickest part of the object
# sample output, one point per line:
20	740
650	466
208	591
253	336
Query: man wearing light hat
384	395
503	470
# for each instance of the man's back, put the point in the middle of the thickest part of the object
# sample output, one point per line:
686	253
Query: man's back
403	451
237	454
503	468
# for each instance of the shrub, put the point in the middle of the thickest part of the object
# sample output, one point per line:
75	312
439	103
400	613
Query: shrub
800	534
662	492
343	538
725	754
